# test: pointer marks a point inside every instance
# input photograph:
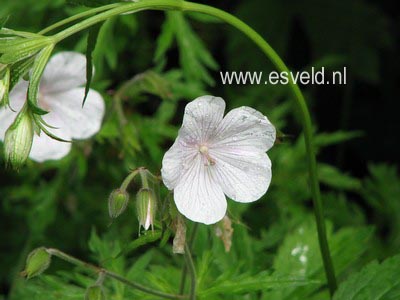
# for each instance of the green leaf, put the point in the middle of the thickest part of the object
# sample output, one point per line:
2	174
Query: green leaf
37	72
3	21
90	3
195	59
251	283
299	255
337	137
335	178
91	45
373	282
19	49
149	237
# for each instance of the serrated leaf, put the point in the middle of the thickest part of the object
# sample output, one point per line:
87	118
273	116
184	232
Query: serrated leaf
299	255
91	45
194	57
373	282
164	40
251	283
335	178
149	237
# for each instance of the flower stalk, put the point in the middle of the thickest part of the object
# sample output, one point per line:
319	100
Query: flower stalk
107	273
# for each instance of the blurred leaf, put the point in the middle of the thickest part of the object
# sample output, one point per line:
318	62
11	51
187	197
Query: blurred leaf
194	56
250	283
91	3
3	21
337	137
299	255
335	178
374	281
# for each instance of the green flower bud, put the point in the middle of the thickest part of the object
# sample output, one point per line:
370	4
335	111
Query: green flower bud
37	262
146	206
18	140
117	203
95	292
4	86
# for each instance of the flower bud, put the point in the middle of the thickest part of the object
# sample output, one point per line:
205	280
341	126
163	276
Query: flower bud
146	207
37	262
18	140
4	86
95	292
117	203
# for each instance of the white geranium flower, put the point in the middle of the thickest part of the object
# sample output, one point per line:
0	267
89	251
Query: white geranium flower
215	155
61	94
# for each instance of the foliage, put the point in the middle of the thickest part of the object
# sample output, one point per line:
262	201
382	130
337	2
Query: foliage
147	66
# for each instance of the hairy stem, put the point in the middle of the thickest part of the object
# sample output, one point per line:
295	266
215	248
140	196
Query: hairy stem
279	64
107	273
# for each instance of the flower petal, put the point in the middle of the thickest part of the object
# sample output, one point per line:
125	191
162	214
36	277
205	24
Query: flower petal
247	128
45	148
176	161
198	196
243	175
17	100
65	71
81	122
201	118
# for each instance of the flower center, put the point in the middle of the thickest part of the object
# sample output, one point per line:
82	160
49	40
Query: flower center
203	149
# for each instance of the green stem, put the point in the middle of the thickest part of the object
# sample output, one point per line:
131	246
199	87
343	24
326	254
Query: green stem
279	64
98	270
129	178
184	268
77	17
192	272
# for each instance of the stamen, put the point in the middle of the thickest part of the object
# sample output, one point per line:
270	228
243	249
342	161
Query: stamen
204	151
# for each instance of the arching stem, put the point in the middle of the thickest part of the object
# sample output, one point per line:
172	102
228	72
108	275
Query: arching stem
279	64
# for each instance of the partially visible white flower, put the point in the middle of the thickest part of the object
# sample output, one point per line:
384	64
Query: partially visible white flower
215	155
61	94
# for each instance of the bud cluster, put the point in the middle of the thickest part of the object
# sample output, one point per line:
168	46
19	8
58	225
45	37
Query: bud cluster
146	200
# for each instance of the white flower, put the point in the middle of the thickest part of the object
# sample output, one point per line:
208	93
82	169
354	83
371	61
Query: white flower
215	155
61	94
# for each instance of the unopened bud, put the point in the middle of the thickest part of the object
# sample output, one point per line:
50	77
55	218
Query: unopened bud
4	86
117	202
18	140
146	206
95	292
37	262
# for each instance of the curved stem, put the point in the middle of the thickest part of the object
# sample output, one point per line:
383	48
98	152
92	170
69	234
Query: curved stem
184	268
77	17
279	64
192	272
307	128
107	273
